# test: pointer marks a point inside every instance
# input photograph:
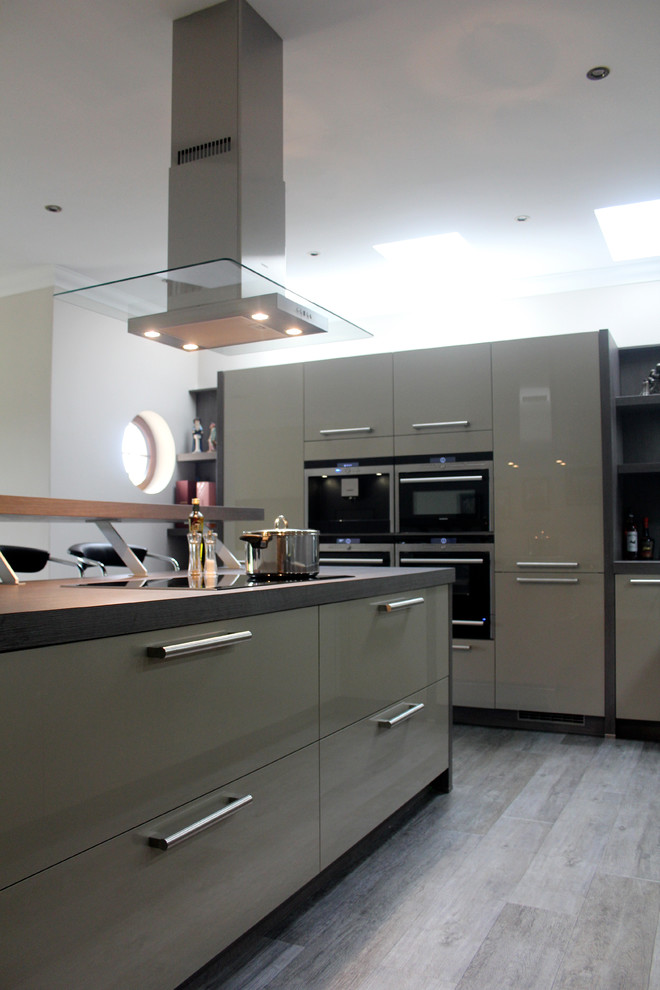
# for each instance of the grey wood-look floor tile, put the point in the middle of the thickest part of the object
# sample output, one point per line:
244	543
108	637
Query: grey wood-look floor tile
634	846
522	951
545	796
559	877
253	971
612	944
457	915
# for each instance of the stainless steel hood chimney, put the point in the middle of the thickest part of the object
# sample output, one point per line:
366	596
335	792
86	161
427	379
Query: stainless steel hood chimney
226	202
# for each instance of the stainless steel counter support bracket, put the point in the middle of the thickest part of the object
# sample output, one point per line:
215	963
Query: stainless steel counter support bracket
119	544
7	573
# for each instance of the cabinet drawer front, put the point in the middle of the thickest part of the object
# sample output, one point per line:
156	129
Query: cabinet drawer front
127	736
638	647
473	669
549	642
370	769
369	655
124	914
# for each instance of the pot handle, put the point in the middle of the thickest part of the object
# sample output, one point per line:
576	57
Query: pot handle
258	541
281	523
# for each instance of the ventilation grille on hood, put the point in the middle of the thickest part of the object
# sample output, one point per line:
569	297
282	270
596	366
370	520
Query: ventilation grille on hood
207	150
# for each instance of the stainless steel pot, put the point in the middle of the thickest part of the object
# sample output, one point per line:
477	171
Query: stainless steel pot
282	552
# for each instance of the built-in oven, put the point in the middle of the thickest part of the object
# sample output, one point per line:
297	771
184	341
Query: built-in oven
358	552
444	494
472	561
349	498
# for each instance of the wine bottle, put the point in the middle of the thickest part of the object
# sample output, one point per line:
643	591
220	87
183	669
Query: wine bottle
630	538
647	543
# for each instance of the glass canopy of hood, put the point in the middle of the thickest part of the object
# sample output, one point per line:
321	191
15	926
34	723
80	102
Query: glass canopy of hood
218	305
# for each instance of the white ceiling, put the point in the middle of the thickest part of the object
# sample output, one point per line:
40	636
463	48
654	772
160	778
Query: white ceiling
402	119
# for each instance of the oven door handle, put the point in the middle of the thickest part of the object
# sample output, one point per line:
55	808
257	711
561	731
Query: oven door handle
429	479
355	561
441	561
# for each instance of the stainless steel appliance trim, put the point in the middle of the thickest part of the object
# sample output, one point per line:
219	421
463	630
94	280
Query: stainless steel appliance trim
449	422
401	717
547	563
170	650
169	841
348	429
395	606
468	622
428	478
547	580
355	561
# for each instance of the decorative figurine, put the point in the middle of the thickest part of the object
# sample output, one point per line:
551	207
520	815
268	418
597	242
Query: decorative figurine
197	436
213	437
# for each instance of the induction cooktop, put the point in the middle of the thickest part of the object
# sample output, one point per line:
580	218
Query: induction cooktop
180	581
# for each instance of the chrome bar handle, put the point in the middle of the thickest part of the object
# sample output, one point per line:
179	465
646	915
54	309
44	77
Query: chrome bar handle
401	717
441	560
558	565
166	651
396	606
449	422
461	646
547	580
348	429
469	622
176	838
644	581
351	560
428	479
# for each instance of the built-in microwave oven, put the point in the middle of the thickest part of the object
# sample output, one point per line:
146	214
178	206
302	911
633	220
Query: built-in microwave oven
349	498
444	494
472	597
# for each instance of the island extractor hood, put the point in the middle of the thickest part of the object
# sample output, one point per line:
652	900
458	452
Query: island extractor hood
226	202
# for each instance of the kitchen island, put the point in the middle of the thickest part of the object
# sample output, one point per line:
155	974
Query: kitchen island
177	763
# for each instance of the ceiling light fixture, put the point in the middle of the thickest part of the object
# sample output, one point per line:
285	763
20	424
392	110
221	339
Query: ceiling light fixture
631	231
293	331
598	72
53	208
523	218
190	347
152	334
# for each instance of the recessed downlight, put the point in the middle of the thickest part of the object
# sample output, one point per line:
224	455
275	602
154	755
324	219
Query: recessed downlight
522	218
293	331
53	208
152	334
260	317
191	347
598	72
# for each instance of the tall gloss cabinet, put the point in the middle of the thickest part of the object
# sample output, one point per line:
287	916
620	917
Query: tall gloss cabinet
548	512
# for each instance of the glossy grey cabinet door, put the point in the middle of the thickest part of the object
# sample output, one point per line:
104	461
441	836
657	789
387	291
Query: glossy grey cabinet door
22	826
547	451
262	447
125	736
126	914
370	656
348	399
473	668
371	768
549	643
638	647
444	390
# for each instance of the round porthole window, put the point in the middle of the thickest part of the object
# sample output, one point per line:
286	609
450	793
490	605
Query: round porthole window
148	452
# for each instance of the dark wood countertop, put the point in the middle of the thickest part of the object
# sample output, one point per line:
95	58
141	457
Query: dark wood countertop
43	613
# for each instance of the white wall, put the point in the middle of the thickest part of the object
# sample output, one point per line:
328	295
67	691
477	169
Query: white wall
25	383
629	311
102	376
